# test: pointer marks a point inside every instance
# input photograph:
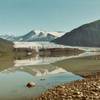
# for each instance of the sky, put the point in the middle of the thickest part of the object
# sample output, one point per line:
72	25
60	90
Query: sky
21	16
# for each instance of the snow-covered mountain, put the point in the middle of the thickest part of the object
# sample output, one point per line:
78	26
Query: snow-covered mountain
8	37
34	36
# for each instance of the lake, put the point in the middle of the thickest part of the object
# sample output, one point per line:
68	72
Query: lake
46	72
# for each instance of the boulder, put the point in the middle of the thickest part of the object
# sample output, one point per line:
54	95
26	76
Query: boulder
31	84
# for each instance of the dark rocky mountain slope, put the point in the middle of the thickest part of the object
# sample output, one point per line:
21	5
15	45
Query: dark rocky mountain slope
85	35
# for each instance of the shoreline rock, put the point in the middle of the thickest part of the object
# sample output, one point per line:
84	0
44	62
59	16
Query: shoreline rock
30	85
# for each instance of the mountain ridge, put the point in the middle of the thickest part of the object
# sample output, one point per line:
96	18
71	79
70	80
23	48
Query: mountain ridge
33	36
85	35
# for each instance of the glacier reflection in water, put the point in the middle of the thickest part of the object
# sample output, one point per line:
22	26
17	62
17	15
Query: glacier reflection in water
48	60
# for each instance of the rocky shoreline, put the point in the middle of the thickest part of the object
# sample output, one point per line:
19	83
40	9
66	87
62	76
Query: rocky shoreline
85	89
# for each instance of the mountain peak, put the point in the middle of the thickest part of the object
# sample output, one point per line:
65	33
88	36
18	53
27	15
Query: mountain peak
34	35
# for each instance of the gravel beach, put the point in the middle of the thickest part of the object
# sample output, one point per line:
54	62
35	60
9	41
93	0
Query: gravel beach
85	89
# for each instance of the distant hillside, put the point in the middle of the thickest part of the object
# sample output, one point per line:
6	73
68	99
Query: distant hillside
85	35
8	37
5	47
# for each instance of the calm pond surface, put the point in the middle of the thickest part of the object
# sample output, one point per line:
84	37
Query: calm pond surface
13	79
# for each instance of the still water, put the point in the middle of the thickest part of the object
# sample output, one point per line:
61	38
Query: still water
13	80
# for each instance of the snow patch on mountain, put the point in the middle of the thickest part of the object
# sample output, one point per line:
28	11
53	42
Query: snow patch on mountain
34	35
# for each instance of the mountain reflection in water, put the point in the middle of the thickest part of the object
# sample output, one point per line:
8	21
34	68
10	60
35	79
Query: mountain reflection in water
14	79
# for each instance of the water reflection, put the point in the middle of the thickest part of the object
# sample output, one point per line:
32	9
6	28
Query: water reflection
38	60
13	81
45	70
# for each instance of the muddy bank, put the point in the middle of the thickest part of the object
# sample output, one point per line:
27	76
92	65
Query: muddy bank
86	89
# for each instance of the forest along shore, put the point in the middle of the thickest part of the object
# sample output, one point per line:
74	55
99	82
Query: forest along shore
85	89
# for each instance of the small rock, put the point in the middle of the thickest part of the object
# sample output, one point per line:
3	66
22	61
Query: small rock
30	84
